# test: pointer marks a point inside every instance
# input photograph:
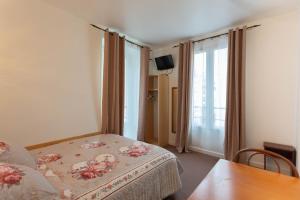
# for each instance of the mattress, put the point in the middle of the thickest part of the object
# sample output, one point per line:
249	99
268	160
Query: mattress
109	167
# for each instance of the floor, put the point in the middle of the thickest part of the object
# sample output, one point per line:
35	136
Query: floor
196	166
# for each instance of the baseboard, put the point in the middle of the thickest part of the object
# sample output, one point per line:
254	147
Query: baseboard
207	152
41	145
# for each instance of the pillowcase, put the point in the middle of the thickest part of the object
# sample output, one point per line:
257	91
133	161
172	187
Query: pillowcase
16	155
22	182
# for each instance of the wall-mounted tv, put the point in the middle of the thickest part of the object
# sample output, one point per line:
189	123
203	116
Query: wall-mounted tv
164	62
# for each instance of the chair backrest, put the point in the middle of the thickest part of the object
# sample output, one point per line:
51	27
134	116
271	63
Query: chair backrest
274	156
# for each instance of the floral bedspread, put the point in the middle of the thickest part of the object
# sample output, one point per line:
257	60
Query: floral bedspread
99	166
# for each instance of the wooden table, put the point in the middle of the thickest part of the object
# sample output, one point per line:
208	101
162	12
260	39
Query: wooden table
233	181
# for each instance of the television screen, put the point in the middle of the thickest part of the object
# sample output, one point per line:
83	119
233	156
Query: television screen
164	62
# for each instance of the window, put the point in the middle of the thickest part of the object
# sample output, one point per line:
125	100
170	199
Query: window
132	86
209	95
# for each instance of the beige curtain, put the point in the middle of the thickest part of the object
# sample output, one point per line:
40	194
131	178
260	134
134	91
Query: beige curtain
145	51
185	62
113	84
235	107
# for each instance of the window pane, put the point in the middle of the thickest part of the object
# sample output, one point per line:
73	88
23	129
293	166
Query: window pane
199	85
132	86
220	81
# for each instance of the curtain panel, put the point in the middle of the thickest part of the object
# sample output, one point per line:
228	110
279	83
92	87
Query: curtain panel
235	103
184	77
113	84
145	55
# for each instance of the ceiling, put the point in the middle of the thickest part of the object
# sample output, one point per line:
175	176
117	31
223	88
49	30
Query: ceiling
160	22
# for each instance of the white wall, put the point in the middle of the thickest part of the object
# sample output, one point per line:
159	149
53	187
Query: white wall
272	72
49	73
271	81
173	79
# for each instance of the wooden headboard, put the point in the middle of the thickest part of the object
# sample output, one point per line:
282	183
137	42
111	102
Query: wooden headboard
37	146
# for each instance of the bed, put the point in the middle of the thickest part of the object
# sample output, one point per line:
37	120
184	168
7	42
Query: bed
109	167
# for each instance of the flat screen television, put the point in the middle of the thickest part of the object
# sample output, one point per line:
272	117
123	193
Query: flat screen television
164	62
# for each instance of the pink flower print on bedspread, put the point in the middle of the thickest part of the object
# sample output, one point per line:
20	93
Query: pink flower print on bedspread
92	145
3	147
101	165
48	158
137	149
9	175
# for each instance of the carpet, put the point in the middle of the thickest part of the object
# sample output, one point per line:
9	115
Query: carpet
196	166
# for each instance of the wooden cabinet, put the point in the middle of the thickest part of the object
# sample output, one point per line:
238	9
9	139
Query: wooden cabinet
157	129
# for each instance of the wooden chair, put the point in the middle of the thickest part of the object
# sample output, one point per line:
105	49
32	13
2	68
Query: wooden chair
274	156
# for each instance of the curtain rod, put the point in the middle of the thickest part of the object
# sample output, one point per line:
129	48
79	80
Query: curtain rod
215	36
107	30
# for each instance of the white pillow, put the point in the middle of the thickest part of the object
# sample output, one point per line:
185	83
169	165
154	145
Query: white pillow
22	183
15	154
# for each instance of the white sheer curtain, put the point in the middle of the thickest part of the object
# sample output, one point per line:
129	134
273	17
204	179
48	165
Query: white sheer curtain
132	85
208	96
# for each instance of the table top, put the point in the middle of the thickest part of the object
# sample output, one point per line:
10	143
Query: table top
233	181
